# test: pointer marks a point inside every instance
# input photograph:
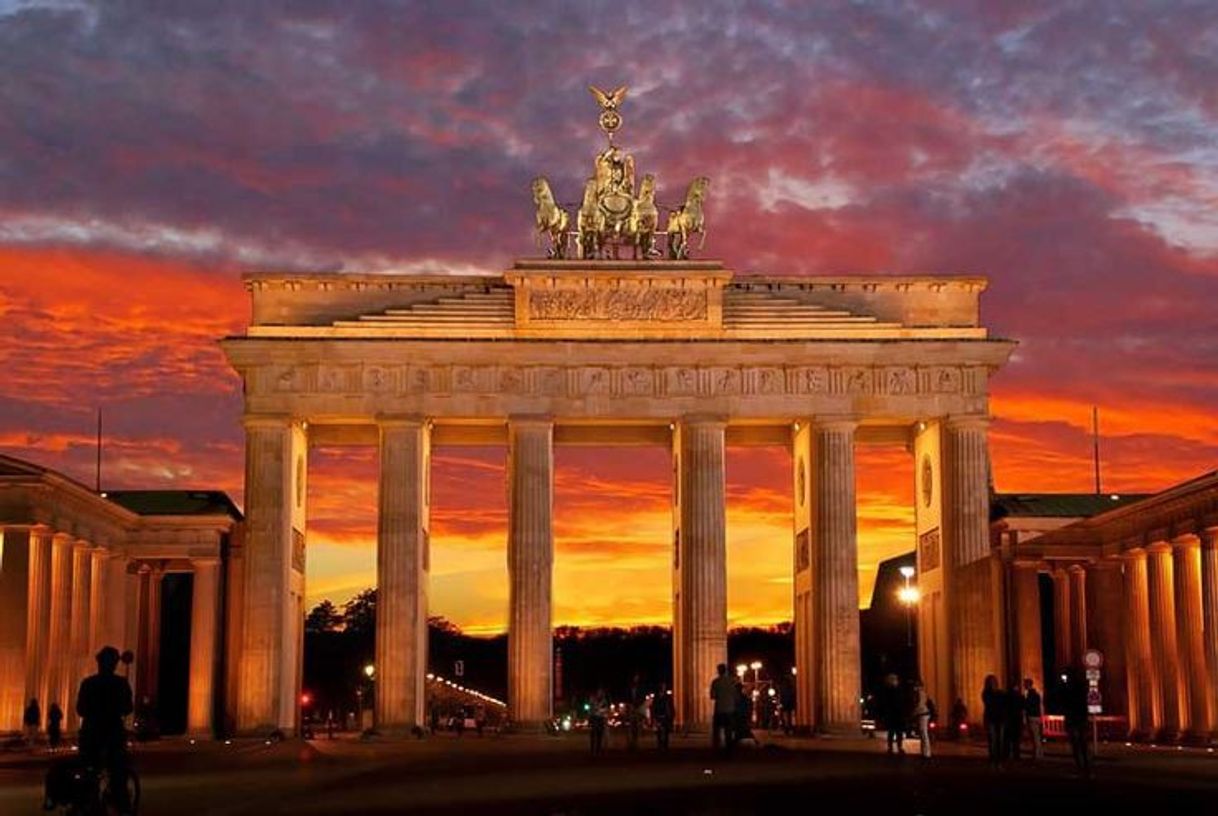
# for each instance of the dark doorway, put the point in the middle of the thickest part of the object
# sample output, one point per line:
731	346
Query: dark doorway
174	668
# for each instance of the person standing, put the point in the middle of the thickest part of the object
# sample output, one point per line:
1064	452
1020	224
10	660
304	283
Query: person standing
786	699
54	726
1034	713
723	693
103	701
1074	700
1014	725
31	719
598	712
893	713
993	699
921	717
663	713
635	700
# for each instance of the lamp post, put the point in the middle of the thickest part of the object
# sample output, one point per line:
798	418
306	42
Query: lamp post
909	596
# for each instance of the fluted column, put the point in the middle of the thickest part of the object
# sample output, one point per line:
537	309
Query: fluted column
1063	651
703	575
1190	637
1141	678
14	593
1106	622
149	649
1027	622
38	618
1078	611
268	685
401	574
530	570
1163	641
972	604
1209	607
204	627
801	571
835	576
59	637
99	600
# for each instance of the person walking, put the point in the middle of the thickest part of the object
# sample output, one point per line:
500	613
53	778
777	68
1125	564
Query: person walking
54	726
598	712
957	720
103	701
1013	727
663	713
31	719
1074	704
922	709
1034	716
786	699
993	699
893	713
723	693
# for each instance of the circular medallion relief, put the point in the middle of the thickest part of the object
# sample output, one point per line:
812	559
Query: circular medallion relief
802	483
928	481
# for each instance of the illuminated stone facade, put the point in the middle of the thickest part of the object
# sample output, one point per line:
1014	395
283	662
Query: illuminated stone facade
685	355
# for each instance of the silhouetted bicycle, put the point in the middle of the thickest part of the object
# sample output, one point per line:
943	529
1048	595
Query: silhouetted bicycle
80	790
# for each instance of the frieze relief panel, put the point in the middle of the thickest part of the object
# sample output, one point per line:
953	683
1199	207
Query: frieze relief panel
625	381
651	304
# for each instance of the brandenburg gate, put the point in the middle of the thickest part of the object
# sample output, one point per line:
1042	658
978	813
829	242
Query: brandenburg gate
581	348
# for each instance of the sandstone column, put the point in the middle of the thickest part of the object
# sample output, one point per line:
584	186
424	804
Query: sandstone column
14	594
401	570
530	570
702	607
1106	622
59	637
1194	679
204	627
971	602
835	576
38	618
1140	674
99	601
1078	611
802	603
1027	621
1209	603
149	638
1163	642
275	489
1063	609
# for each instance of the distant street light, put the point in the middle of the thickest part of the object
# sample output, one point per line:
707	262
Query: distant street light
369	671
909	596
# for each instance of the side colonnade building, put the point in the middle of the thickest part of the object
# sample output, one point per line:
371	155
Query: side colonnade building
680	354
81	570
1138	583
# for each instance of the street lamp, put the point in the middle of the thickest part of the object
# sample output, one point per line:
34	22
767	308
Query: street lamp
909	596
369	671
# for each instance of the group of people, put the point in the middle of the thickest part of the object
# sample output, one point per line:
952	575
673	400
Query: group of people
1009	715
634	711
902	709
32	722
733	711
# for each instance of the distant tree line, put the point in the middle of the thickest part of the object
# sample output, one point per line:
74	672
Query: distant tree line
340	642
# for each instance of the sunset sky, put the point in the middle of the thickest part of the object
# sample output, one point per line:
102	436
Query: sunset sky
151	152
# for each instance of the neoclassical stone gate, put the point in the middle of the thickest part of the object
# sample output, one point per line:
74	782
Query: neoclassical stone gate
674	353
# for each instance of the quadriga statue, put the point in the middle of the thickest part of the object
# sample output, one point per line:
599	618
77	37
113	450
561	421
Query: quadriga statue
551	219
687	220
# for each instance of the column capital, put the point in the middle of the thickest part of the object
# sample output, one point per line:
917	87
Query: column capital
530	420
703	419
384	421
204	561
1185	541
967	422
1209	538
1159	547
840	424
271	420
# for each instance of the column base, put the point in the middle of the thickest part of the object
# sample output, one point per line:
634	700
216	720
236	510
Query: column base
394	733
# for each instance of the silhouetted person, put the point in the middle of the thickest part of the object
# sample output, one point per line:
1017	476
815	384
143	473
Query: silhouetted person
635	700
742	717
921	712
31	719
994	700
1012	732
598	712
479	718
786	699
892	713
54	726
723	692
663	713
1034	716
102	702
1074	707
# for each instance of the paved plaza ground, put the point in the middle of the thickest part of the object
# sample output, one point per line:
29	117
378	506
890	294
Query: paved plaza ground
550	776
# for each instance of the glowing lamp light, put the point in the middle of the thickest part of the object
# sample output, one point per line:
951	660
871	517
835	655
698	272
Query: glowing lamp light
741	669
306	699
369	670
755	665
907	571
909	595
